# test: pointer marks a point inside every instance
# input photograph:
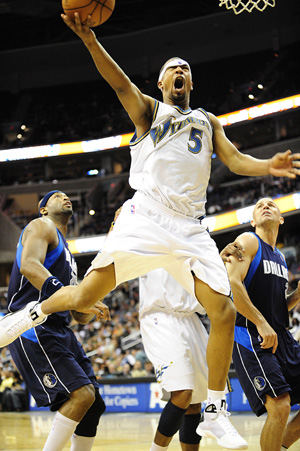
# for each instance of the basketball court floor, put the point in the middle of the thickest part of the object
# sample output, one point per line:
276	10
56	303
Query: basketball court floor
27	431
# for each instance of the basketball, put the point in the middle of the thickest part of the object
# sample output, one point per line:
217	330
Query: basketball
99	10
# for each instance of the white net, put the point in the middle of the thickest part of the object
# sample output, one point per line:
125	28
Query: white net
238	6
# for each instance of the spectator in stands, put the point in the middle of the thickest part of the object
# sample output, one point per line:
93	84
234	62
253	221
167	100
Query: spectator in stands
15	398
138	370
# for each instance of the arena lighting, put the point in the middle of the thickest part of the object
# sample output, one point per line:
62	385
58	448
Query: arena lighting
264	109
112	142
214	223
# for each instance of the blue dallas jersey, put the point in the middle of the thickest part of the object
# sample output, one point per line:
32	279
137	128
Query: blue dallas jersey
59	262
267	283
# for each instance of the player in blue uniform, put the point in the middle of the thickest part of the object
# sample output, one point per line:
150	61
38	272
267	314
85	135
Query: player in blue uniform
266	356
52	362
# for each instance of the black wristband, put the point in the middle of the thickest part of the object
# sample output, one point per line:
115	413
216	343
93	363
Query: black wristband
50	286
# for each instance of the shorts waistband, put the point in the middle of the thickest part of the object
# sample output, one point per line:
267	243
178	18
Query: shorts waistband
146	200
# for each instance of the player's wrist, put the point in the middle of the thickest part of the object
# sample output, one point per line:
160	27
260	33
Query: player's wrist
51	285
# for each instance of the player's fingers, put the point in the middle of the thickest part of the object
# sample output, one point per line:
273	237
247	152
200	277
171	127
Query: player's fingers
88	22
67	21
275	345
77	21
294	156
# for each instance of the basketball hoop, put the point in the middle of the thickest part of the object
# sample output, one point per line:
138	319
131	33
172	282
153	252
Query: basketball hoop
239	6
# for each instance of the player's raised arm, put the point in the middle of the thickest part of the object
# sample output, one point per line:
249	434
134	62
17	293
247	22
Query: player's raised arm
138	105
282	164
237	271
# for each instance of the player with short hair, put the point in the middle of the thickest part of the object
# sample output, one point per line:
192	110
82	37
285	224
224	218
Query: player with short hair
52	362
161	226
266	356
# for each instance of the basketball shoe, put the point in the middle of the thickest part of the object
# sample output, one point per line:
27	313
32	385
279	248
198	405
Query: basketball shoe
15	324
216	425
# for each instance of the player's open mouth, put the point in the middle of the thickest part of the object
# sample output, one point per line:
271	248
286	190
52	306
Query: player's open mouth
179	83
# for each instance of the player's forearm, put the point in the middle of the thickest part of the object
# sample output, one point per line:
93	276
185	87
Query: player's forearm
244	305
107	67
247	165
35	273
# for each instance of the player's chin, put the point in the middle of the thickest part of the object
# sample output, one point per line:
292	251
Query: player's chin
68	211
178	95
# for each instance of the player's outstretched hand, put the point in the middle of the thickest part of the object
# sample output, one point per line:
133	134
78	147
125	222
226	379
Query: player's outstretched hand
232	250
100	310
83	31
284	164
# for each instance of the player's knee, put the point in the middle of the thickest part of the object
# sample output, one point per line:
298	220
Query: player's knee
84	397
279	407
89	423
224	312
182	398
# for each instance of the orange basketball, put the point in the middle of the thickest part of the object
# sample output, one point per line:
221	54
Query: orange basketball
99	10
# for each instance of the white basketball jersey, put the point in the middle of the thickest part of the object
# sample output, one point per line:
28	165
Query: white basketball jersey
160	291
172	161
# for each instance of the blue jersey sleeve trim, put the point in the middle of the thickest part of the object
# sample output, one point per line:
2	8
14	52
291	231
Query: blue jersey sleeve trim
51	257
254	264
241	336
20	249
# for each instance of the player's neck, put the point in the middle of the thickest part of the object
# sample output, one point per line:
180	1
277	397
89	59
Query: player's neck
61	223
269	236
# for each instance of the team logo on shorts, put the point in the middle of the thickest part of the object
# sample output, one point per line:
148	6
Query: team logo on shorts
259	382
132	209
49	380
160	371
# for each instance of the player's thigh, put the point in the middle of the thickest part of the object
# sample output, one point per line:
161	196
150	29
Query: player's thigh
217	305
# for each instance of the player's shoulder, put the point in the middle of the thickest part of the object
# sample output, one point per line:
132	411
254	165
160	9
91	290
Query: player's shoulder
249	241
41	226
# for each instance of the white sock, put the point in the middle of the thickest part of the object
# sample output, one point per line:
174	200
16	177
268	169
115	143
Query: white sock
61	432
155	447
213	395
79	443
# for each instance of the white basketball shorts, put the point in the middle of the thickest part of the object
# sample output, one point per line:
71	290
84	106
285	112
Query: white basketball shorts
147	235
176	344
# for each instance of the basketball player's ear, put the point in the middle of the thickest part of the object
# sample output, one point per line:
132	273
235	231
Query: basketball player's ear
43	211
159	85
192	85
253	223
281	220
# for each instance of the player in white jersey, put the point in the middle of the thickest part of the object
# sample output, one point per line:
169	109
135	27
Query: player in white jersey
160	226
175	341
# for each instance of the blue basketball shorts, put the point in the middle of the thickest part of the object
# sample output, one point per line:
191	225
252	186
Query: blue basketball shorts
262	373
52	363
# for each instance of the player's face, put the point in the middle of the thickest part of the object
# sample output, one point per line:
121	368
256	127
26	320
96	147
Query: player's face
176	83
266	210
59	203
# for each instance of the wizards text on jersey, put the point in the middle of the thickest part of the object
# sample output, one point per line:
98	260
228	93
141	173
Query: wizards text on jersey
172	127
